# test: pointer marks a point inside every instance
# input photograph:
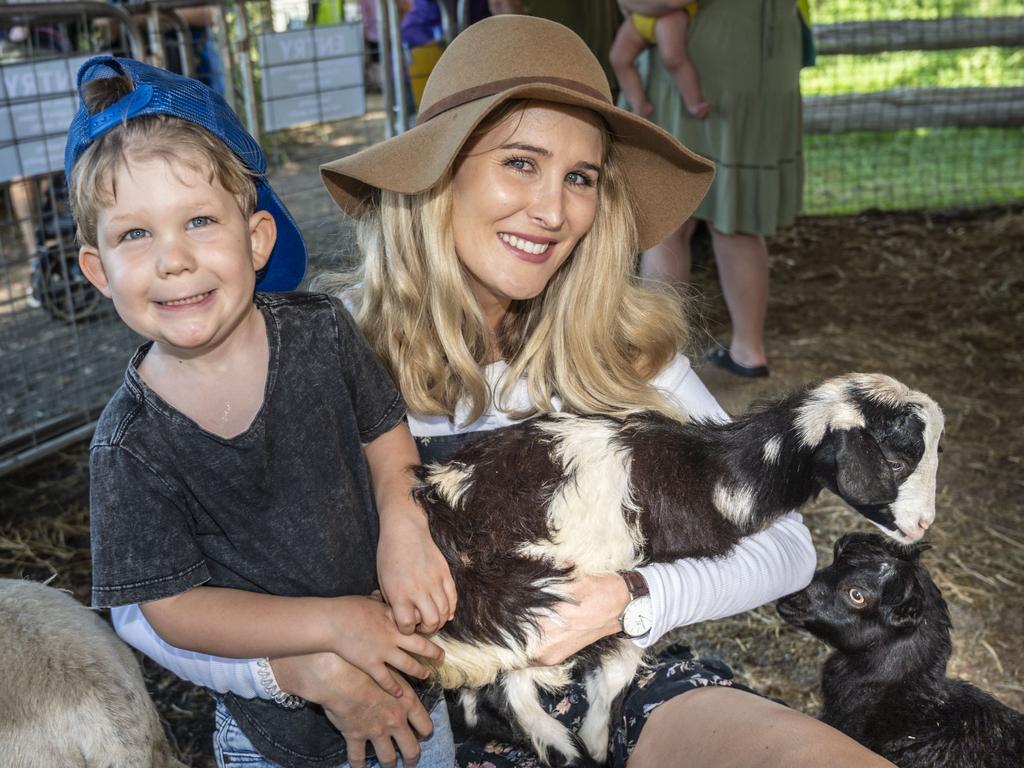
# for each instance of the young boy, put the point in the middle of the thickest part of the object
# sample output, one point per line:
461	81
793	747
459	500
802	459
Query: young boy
234	473
669	33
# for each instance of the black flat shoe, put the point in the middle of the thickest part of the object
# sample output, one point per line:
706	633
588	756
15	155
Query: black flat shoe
720	357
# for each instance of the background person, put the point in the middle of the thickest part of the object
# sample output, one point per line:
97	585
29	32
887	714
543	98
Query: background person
748	53
668	32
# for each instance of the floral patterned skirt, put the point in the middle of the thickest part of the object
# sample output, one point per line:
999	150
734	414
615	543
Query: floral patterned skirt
674	671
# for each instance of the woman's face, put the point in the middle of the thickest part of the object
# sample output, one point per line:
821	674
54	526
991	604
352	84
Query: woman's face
525	192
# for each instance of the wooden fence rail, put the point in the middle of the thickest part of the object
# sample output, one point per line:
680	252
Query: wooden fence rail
859	37
905	108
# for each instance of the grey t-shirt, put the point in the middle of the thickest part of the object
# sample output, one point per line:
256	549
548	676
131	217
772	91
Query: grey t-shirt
285	508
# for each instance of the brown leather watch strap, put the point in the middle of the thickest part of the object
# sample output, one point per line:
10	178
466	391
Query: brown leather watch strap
635	583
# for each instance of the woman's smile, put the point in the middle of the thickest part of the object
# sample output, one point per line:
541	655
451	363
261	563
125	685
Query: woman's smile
533	250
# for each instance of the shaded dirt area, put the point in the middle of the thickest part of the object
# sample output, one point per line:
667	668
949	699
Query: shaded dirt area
934	300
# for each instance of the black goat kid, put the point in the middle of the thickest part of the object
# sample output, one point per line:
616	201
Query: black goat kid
517	514
886	683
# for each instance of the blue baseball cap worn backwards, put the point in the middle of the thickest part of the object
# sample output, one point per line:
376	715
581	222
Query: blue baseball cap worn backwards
159	92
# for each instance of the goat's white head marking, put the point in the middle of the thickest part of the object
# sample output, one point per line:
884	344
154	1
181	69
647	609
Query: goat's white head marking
860	401
914	508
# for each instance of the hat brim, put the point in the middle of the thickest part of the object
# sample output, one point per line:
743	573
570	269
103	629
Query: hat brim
665	179
287	263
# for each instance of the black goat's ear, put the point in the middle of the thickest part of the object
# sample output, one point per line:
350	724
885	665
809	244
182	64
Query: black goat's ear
863	476
905	614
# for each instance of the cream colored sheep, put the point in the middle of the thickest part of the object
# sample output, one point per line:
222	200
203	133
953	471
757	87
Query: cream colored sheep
71	692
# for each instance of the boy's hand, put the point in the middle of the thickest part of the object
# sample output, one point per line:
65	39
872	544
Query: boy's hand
410	569
366	636
413	574
358	707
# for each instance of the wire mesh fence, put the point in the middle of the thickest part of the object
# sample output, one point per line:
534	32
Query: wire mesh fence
57	333
914	104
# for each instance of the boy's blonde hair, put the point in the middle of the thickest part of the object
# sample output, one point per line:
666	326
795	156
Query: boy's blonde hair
594	337
171	139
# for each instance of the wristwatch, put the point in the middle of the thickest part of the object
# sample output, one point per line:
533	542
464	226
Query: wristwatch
636	619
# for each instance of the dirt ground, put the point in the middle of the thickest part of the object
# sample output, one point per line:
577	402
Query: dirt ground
936	300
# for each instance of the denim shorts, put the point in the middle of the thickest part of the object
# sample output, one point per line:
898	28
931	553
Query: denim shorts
231	747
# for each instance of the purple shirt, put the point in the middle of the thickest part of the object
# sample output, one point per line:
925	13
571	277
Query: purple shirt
422	24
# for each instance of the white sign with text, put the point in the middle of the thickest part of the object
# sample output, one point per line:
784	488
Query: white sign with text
312	75
37	102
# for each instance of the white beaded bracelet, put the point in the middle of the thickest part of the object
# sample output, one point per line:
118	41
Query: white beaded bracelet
273	690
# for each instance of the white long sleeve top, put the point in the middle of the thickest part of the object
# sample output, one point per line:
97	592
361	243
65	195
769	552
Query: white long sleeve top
761	568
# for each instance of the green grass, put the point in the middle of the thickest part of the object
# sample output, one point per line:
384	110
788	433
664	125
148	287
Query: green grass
925	168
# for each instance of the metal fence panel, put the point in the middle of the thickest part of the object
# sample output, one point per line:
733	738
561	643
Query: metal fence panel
62	347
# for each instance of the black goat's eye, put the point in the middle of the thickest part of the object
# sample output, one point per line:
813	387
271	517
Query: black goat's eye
856	596
896	466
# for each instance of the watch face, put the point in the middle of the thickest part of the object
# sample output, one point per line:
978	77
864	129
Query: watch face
637	619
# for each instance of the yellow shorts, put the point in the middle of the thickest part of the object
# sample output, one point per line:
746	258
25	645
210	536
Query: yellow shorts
645	24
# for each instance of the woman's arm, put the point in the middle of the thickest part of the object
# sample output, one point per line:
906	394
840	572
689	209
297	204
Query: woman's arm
763	567
232	622
239	676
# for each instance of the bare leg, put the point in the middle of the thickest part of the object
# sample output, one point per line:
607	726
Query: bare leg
669	261
25	202
670	31
743	271
626	47
728	728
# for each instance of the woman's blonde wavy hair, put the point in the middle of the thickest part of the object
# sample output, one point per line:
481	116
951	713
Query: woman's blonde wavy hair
594	337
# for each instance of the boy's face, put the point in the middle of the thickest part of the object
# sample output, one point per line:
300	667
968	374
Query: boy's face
177	256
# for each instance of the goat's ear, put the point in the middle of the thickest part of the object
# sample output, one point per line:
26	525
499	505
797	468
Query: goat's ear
907	612
863	476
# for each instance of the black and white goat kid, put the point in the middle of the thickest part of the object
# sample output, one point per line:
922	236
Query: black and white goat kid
886	685
520	512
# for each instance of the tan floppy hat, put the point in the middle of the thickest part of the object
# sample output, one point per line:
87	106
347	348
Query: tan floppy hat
522	57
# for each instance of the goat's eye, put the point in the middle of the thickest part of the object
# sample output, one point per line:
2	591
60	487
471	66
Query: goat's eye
856	596
896	466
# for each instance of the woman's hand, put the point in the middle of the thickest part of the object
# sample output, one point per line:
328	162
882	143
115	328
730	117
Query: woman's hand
413	574
593	612
358	707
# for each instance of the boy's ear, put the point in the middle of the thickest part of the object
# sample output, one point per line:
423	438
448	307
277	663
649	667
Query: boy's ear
92	267
262	236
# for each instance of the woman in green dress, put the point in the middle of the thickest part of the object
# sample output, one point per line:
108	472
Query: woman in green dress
748	54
